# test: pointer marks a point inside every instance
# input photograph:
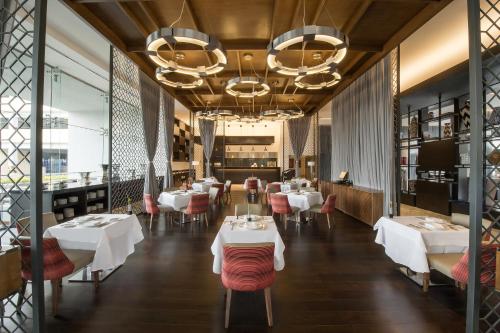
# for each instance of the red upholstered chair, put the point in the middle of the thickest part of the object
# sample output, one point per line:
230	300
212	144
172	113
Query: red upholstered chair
253	186
280	205
248	267
327	208
56	265
153	209
270	189
198	205
220	193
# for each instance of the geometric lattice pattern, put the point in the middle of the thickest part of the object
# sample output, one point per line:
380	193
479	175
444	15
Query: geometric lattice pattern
489	316
128	151
16	45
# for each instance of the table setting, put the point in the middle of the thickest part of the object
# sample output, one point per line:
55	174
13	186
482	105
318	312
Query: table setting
111	236
247	229
408	239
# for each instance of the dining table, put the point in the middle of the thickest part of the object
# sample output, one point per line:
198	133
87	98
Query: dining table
112	236
245	184
303	200
236	230
177	199
408	239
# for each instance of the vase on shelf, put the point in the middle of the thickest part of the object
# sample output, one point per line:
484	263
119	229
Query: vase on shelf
104	175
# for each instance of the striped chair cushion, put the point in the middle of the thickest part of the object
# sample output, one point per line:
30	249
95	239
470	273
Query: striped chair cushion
460	270
329	205
272	188
248	268
55	264
151	207
252	184
198	204
280	205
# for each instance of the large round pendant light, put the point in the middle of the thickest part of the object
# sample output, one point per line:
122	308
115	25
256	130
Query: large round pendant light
161	75
330	35
172	36
333	75
260	87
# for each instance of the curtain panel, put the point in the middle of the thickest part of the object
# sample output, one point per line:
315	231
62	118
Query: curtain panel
207	135
298	131
363	131
168	109
149	92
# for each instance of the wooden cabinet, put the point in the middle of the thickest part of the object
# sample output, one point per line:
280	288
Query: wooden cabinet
362	203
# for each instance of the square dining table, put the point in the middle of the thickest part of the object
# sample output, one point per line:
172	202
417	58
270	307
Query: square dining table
111	236
176	199
408	239
233	230
303	200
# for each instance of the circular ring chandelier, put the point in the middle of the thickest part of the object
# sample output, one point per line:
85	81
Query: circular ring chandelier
280	114
172	36
315	86
161	76
226	115
263	87
305	34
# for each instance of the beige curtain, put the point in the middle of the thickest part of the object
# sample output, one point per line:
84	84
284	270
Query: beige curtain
298	130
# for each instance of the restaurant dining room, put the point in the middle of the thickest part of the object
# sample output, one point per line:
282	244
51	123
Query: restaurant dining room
250	166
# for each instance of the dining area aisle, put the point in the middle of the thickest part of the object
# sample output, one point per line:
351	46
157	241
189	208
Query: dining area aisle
335	280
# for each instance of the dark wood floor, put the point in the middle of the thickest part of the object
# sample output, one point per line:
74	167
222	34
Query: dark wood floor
333	281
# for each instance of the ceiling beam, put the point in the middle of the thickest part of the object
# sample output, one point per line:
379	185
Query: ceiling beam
264	106
261	45
150	16
107	1
353	20
132	18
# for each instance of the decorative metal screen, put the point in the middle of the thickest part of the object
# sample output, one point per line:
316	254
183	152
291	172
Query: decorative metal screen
128	149
489	315
16	38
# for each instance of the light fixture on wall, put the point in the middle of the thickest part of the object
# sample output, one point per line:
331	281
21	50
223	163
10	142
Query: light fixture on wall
265	148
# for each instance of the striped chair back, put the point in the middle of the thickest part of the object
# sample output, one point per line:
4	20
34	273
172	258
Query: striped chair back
252	184
149	203
460	270
198	204
248	267
272	188
220	187
55	264
329	205
279	204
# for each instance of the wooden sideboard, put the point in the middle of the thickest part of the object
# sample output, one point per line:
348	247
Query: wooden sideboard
362	203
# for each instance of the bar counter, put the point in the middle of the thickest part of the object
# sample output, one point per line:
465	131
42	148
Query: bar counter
237	175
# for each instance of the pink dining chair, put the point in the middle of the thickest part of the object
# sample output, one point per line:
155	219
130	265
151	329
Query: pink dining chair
280	205
198	205
248	267
253	186
153	209
270	189
220	192
327	208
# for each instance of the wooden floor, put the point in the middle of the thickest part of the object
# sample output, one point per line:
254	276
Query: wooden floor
333	281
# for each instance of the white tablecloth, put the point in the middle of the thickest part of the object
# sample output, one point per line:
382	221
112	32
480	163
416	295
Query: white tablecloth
112	243
408	245
202	187
176	199
209	180
301	182
305	200
287	187
240	235
259	184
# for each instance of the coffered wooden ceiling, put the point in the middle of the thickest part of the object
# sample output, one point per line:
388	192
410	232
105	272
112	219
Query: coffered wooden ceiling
374	27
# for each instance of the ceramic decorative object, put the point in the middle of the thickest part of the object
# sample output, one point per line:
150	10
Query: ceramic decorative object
447	131
414	127
465	115
494	157
412	185
104	177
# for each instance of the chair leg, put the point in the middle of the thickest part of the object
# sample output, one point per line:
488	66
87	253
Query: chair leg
55	296
269	309
206	218
95	279
328	219
20	298
228	307
151	221
425	282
